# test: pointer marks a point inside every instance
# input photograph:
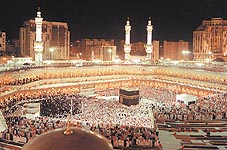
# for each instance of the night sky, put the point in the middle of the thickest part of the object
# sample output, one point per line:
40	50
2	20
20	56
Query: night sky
172	20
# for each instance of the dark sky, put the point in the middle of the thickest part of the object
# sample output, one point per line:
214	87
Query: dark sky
172	20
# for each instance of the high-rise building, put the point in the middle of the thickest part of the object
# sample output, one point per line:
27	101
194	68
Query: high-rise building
176	50
210	39
155	51
12	47
55	39
107	53
98	49
2	41
137	48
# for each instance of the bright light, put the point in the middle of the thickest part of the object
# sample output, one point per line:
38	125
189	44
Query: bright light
73	61
48	62
207	60
136	61
199	64
186	52
97	61
175	62
110	50
51	49
117	60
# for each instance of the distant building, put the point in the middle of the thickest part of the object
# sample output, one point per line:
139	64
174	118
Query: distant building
55	38
75	50
2	41
176	50
155	53
107	53
97	49
136	48
12	47
210	40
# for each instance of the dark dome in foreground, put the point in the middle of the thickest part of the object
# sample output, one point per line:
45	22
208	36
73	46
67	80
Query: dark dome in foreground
81	139
219	59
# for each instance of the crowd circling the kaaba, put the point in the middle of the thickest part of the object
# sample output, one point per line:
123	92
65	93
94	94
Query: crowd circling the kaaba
111	120
124	126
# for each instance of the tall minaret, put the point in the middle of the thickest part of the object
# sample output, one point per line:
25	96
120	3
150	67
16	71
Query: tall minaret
38	44
149	46
127	46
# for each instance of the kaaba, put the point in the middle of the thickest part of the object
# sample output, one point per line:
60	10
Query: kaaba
129	96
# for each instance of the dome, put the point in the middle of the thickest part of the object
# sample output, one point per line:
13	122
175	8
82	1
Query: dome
219	60
80	139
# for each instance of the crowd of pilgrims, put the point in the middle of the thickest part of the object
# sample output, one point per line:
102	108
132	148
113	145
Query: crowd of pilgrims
19	81
123	125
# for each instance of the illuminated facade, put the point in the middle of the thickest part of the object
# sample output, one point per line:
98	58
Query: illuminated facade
138	49
107	53
2	41
210	39
149	46
55	38
155	54
127	46
175	50
97	49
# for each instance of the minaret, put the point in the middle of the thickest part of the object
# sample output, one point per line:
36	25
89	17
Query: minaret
149	46
38	44
127	46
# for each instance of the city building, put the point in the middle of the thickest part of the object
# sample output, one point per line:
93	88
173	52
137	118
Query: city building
210	40
176	50
107	53
12	47
97	49
75	50
55	39
2	41
156	52
138	48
